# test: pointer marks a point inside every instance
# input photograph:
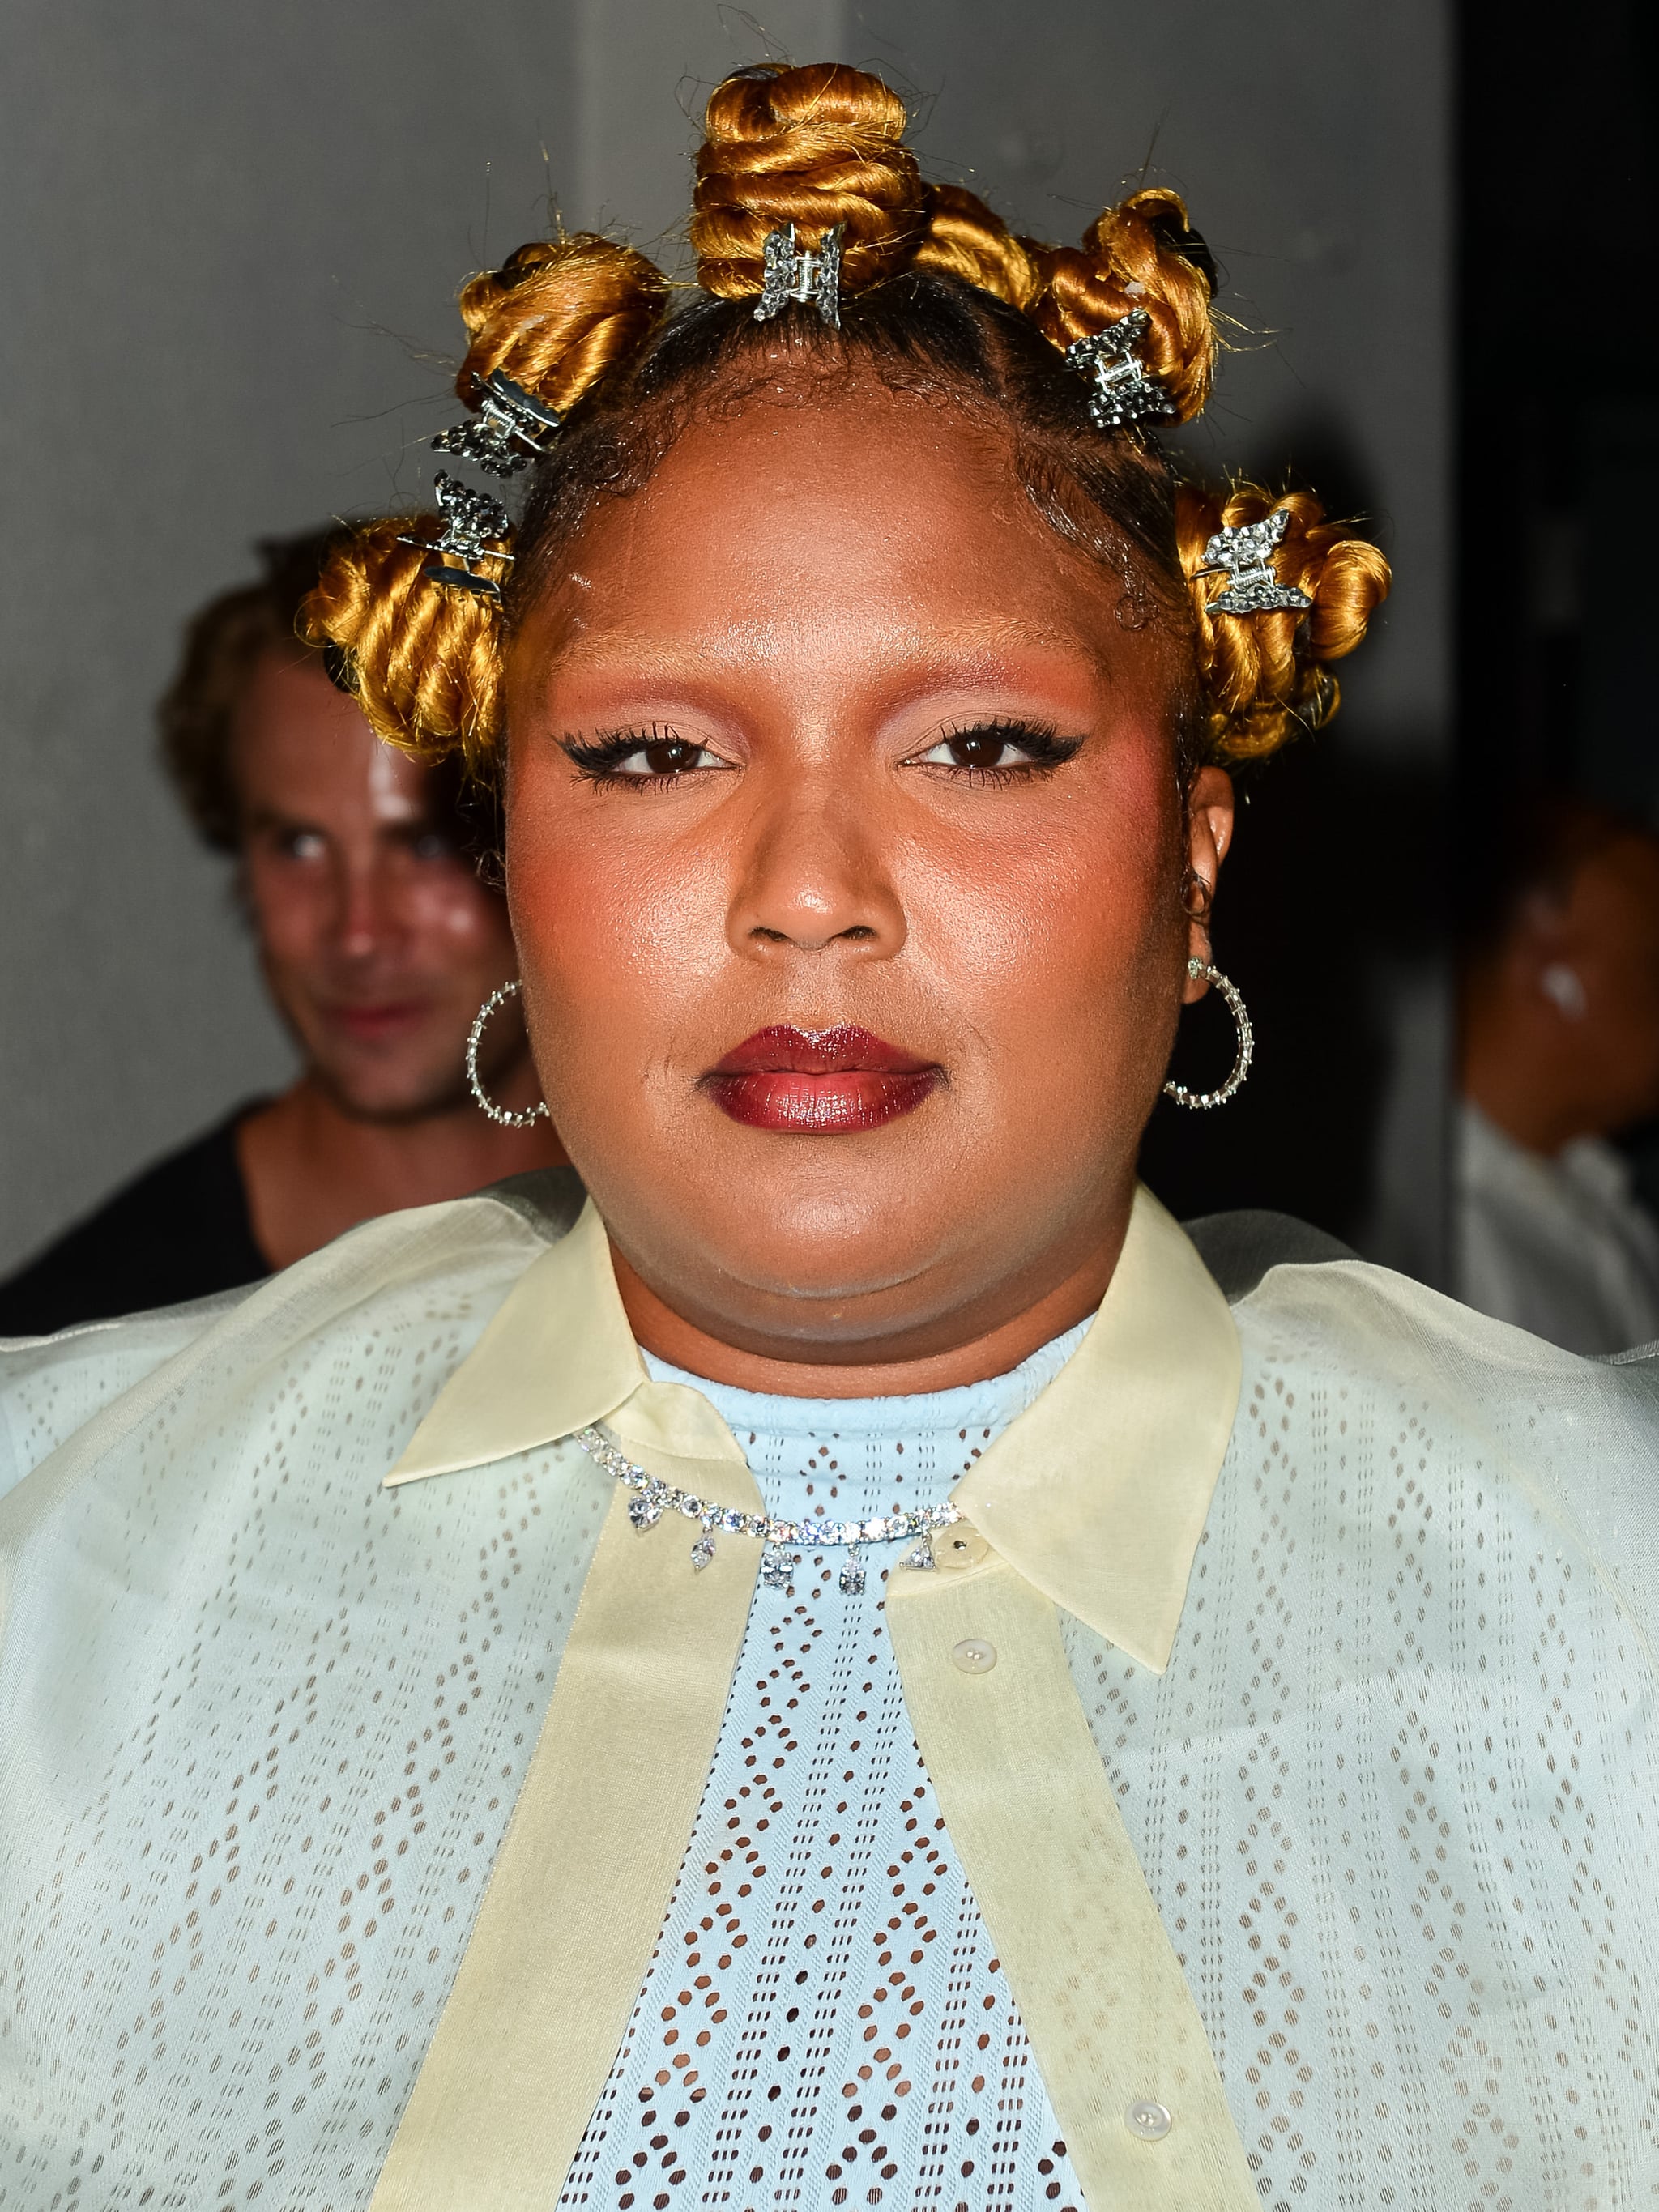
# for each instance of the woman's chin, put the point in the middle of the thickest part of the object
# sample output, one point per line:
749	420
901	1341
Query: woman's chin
825	1262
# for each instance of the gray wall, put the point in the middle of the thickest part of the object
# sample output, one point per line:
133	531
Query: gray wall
233	234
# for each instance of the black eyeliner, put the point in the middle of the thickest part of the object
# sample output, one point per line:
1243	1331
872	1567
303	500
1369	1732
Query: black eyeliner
599	755
1045	748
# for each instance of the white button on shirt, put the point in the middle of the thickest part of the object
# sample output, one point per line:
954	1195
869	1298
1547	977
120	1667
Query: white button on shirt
1151	2121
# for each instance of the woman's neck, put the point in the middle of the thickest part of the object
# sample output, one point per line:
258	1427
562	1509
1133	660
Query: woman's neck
986	1335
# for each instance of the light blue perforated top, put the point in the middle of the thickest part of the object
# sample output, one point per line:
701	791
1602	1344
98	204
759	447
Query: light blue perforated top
824	2022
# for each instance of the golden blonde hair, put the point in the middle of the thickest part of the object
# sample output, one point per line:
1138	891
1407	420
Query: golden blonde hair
817	147
1267	676
935	286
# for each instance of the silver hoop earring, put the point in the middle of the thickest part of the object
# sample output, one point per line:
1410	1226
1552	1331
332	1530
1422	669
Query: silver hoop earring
536	1113
1235	998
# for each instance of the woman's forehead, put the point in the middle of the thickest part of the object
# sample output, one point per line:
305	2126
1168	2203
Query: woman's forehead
869	523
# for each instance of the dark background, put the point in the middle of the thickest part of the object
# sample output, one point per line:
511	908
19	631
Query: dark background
1555	318
1559	475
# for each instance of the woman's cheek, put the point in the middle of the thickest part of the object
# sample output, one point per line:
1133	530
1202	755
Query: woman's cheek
1078	902
612	944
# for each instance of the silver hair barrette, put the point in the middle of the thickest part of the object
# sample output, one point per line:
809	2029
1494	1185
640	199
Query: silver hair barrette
471	519
790	272
1244	551
512	428
652	1498
1123	390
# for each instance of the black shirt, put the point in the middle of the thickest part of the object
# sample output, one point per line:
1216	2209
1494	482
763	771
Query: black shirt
180	1230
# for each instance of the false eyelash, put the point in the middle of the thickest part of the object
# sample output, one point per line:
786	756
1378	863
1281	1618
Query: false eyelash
1047	749
1041	739
597	758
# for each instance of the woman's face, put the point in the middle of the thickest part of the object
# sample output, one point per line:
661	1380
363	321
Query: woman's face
844	852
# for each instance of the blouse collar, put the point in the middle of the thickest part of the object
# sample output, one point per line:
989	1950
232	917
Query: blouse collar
1097	1493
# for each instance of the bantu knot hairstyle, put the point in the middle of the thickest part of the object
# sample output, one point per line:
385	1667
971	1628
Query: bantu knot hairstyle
1143	254
1267	676
424	659
961	237
815	147
557	315
934	287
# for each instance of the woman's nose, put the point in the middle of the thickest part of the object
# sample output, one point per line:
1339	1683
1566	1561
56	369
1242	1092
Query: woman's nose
814	874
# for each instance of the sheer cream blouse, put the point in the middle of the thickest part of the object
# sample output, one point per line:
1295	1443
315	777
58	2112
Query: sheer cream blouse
353	1737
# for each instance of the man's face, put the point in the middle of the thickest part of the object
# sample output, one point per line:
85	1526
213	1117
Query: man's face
378	942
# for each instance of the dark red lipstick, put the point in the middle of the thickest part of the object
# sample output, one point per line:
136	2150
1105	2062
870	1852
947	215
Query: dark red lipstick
819	1083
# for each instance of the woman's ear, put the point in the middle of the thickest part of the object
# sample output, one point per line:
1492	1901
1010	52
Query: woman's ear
1209	835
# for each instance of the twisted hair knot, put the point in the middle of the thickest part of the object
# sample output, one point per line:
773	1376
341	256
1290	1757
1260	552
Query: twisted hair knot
815	147
1141	254
962	238
557	315
424	662
1265	676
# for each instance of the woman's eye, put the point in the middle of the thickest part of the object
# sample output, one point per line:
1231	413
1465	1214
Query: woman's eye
979	748
990	749
635	758
668	757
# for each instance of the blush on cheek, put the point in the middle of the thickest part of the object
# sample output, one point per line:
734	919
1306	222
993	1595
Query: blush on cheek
604	929
1083	912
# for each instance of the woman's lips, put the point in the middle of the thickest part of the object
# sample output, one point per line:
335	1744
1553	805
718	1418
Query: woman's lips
819	1083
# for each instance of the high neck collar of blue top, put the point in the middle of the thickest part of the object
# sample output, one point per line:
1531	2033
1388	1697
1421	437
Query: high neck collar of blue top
991	1404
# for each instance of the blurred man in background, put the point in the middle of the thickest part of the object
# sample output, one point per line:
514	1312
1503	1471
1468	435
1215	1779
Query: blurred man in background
1560	1051
379	944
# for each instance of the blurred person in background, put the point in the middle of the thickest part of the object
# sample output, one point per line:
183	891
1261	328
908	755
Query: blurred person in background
378	942
1559	1043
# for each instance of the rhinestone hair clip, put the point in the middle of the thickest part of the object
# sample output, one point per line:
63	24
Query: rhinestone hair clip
792	272
1123	390
1244	552
471	519
512	428
652	1498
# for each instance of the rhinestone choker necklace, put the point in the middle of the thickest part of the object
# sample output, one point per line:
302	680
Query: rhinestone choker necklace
652	1498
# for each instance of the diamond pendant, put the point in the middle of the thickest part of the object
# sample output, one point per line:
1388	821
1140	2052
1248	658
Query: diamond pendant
652	1498
778	1566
